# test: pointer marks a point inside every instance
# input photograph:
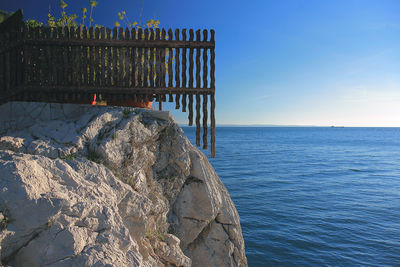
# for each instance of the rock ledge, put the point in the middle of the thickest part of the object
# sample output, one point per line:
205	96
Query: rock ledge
109	186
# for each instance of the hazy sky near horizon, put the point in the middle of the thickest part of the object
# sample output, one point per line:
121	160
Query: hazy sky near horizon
286	62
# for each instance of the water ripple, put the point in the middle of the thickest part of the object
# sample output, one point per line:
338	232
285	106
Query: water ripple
314	196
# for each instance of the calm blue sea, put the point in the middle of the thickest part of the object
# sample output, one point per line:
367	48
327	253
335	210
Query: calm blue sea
314	196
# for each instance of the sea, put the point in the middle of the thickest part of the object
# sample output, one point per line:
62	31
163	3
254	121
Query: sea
313	196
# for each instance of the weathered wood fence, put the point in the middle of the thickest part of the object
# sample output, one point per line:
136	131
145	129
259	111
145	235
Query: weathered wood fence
69	65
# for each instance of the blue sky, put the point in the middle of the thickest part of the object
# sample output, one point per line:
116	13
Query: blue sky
286	62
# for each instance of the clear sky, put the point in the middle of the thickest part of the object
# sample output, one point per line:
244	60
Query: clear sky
285	62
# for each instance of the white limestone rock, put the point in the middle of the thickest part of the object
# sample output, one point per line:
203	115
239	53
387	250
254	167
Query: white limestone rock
11	143
98	186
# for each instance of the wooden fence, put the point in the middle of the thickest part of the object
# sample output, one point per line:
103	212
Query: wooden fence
69	65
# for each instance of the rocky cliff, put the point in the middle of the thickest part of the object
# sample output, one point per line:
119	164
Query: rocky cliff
107	186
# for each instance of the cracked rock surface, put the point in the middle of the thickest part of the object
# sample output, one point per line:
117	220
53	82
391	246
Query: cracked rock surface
108	186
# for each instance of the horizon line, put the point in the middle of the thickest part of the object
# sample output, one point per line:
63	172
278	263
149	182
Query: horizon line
283	125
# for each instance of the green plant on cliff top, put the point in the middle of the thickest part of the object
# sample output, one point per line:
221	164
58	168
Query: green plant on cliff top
70	156
3	222
70	20
126	113
114	136
157	234
92	155
148	233
64	20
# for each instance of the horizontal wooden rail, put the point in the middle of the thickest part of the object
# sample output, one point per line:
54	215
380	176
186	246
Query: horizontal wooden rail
106	43
123	90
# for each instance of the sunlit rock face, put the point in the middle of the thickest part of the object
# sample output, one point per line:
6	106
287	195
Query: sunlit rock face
93	186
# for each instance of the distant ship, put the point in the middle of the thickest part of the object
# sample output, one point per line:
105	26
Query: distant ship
337	126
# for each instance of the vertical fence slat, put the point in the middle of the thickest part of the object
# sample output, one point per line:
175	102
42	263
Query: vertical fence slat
44	69
99	63
13	59
114	59
157	65
205	61
72	59
213	125
67	65
7	63
42	58
177	71
85	58
184	96
60	74
32	56
10	60
78	57
205	96
198	119
212	61
102	54
18	55
170	63
152	60
55	33
139	59
24	58
75	64
158	68
170	57
79	62
96	58
134	63
26	49
212	85
130	63
64	62
191	59
127	59
2	68
146	60
58	58
61	96
198	64
29	53
61	61
49	71
205	117
52	57
21	56
164	68
190	116
66	96
37	57
2	63
120	59
198	99
109	60
163	62
91	59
